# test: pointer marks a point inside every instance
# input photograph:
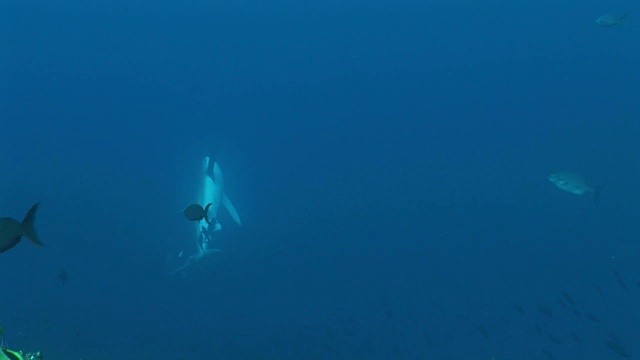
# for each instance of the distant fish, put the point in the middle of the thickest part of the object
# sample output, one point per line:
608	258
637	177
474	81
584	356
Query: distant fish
548	354
574	183
562	303
63	276
593	318
577	338
567	297
483	330
554	339
620	280
608	20
539	330
11	231
617	348
575	311
195	212
545	309
598	289
518	308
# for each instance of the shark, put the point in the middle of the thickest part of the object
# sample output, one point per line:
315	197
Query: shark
211	200
212	195
12	231
575	184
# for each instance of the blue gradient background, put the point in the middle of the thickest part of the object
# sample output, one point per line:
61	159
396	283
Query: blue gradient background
388	159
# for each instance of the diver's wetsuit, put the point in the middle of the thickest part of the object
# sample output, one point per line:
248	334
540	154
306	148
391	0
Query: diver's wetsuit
205	239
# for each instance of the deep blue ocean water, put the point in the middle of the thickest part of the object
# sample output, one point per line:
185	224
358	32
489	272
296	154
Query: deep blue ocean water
389	160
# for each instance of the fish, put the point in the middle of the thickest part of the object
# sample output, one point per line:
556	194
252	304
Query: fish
518	308
548	354
577	338
554	339
608	20
63	276
546	310
617	348
593	318
567	297
575	184
620	280
562	303
195	212
598	289
12	231
485	333
212	191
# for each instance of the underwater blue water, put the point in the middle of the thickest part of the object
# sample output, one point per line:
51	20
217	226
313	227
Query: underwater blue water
389	160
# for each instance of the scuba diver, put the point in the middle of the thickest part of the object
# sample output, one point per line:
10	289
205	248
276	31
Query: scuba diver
6	354
211	198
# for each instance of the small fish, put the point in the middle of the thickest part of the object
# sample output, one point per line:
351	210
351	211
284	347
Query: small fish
567	297
577	338
518	308
575	184
11	231
620	280
548	354
485	333
545	309
554	339
608	20
539	330
598	289
195	212
575	311
593	318
617	348
63	276
562	303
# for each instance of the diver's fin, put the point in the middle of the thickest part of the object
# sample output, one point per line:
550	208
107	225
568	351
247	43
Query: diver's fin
192	260
206	213
27	225
231	209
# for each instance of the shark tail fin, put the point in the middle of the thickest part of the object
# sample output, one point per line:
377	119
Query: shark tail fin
596	193
27	225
